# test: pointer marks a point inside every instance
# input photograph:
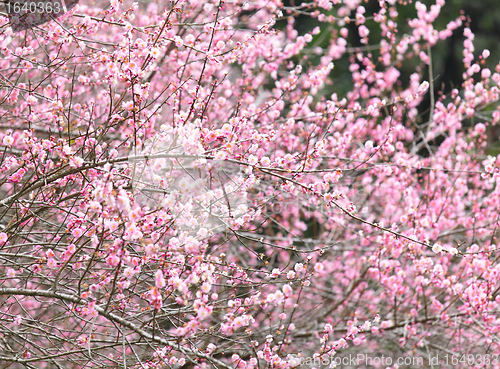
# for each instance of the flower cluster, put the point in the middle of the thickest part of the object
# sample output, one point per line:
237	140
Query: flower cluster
146	148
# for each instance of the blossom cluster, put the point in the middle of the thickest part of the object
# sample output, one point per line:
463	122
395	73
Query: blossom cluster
143	146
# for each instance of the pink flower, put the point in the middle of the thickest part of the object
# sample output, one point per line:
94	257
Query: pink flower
210	348
77	232
204	312
154	53
52	263
3	237
31	100
155	298
275	273
363	31
95	207
178	41
159	279
129	272
318	267
113	260
485	73
8	140
252	160
480	128
288	159
75	162
271	298
111	225
287	290
265	161
358	340
192	245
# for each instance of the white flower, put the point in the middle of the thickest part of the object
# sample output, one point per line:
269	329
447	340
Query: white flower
437	248
8	140
423	87
299	267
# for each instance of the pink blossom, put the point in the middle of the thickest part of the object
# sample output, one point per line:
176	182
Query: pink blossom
159	279
193	177
423	87
77	232
113	260
75	161
52	263
8	140
363	31
287	290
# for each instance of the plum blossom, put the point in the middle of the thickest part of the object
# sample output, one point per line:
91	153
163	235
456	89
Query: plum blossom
437	248
193	177
363	31
159	279
8	140
423	87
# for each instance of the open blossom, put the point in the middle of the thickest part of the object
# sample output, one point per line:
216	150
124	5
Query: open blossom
287	290
77	232
52	263
95	206
210	348
204	312
363	31
31	100
159	279
423	87
129	272
8	140
318	267
437	248
206	287
75	162
299	267
191	185
252	160
113	260
178	41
